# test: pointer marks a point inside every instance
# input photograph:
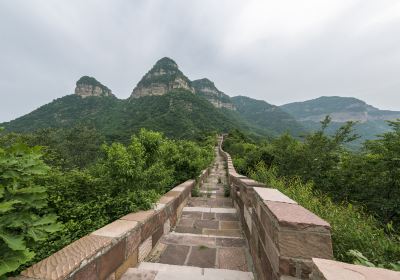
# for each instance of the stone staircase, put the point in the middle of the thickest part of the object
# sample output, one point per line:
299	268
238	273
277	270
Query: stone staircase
207	242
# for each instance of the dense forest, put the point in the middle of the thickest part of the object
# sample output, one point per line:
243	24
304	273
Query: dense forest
57	185
358	193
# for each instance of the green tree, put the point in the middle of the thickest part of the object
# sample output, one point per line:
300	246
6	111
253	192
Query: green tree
24	219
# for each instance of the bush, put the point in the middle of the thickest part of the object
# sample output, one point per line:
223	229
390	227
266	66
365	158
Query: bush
352	229
24	219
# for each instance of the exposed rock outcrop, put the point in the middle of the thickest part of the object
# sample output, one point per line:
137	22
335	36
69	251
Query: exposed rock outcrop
88	86
163	77
207	89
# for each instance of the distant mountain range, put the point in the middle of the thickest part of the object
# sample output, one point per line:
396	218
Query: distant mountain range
164	100
168	101
371	121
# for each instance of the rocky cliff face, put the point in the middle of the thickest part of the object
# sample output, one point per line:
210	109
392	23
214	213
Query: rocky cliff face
163	77
89	86
208	90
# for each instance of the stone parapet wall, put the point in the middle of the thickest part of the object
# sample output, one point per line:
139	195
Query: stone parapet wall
109	251
332	270
286	240
283	236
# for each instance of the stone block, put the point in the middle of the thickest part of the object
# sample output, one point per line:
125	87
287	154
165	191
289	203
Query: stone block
144	249
233	258
296	217
157	235
272	195
174	254
132	242
299	268
88	272
131	261
69	259
116	229
300	244
112	259
167	226
202	257
333	270
141	216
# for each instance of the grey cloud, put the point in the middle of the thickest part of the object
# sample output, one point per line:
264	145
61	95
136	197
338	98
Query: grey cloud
47	45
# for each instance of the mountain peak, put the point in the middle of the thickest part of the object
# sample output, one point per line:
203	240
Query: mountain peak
207	89
166	62
89	86
163	77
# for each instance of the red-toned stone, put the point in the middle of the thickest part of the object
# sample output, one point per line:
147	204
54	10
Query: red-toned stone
112	259
332	270
140	216
132	242
296	217
88	272
300	244
157	235
67	260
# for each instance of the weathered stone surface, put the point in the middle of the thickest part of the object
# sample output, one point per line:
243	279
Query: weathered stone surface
189	240
131	261
332	270
272	195
88	272
224	232
212	224
67	260
232	258
132	242
208	216
141	216
116	229
134	273
296	217
112	259
226	217
157	235
188	230
202	256
230	242
186	222
174	254
305	244
145	248
229	225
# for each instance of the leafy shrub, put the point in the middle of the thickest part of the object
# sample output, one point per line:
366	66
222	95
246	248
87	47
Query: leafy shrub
352	229
123	179
24	219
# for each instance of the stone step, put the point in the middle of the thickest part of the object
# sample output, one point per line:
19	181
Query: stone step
159	271
210	210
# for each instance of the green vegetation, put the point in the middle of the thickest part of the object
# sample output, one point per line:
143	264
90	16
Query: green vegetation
269	117
84	194
24	218
358	193
178	114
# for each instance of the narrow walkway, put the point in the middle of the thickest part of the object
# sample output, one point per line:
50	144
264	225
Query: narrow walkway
207	242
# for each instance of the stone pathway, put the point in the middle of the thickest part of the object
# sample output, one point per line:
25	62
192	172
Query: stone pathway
207	242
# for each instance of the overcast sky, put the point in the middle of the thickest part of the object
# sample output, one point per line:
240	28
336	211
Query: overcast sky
278	51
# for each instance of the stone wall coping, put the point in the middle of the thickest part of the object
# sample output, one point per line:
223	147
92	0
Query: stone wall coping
294	215
332	270
269	194
116	229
